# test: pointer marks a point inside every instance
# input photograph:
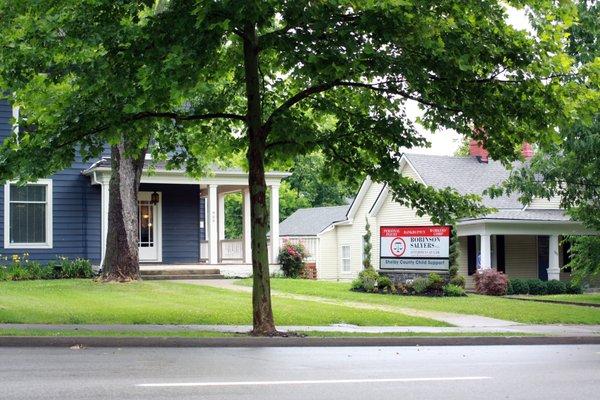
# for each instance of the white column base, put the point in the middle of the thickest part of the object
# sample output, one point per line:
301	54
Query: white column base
553	274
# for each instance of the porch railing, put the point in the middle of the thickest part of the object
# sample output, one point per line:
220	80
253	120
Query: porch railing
232	249
311	244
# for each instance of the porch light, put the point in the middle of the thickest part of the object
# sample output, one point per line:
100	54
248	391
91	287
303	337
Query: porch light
154	198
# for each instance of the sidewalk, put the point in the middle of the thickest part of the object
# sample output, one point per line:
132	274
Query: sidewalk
458	320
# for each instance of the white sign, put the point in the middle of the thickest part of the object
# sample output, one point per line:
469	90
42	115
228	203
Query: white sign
414	247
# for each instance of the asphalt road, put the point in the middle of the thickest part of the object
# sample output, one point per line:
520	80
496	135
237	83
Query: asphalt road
482	372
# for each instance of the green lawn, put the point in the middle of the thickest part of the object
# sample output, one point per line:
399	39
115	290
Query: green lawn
592	298
88	302
513	310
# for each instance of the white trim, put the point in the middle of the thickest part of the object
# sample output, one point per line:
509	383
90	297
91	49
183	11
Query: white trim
49	218
342	258
364	188
380	201
405	160
157	221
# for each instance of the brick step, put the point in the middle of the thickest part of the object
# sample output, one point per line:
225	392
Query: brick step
179	277
213	271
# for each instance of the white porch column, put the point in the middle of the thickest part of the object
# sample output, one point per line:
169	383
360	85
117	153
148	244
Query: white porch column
213	234
246	225
553	263
274	222
486	252
221	216
104	194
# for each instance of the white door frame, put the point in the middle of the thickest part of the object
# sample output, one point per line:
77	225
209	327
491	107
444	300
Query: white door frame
157	224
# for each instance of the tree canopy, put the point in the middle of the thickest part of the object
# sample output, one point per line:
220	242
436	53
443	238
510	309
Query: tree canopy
273	79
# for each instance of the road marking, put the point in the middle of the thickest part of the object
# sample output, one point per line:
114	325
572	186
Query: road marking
312	382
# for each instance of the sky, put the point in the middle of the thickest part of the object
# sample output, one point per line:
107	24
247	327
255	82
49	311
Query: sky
446	142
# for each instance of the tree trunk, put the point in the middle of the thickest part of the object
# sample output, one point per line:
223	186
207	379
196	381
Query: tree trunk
121	260
262	311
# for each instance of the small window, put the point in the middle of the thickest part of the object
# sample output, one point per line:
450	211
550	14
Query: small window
345	257
28	215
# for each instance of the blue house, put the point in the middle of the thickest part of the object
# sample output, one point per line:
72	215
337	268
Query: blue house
182	219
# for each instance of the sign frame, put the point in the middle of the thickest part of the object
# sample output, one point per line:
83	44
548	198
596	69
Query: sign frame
398	248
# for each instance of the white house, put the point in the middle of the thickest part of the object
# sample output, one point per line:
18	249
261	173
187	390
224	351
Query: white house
523	241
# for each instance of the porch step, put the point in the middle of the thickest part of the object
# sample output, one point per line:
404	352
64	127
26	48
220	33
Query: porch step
180	277
156	272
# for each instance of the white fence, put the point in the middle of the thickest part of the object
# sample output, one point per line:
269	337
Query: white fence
233	249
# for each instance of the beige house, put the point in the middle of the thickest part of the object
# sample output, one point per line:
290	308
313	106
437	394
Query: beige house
523	241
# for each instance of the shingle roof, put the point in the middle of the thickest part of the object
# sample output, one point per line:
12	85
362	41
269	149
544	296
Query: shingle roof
526	215
311	221
466	175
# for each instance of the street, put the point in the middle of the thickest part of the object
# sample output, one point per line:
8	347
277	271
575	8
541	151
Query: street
493	372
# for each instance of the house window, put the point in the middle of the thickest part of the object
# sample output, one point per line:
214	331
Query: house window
28	215
345	257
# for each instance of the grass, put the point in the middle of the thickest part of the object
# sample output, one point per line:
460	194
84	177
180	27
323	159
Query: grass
591	298
210	334
507	309
89	302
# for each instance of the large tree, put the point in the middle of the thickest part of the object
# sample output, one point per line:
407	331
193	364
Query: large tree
274	79
569	168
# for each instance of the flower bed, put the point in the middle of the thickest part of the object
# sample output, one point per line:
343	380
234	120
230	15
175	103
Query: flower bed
21	268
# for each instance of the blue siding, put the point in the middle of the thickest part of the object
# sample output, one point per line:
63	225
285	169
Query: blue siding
180	222
76	210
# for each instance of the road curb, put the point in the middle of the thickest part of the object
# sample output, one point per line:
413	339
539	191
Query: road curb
45	341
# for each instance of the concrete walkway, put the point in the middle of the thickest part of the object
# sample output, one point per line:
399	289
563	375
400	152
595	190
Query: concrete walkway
458	320
547	330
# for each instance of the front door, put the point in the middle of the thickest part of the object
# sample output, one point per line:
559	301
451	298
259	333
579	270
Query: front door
543	257
149	227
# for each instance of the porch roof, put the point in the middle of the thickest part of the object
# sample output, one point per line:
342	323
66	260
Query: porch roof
548	215
155	170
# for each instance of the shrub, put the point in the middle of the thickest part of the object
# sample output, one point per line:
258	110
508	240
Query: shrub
555	287
38	271
519	286
453	271
536	286
420	285
458	280
291	257
454	291
367	280
435	282
3	274
73	269
403	288
573	288
17	272
491	282
384	282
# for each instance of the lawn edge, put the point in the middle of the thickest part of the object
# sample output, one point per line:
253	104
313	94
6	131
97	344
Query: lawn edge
84	342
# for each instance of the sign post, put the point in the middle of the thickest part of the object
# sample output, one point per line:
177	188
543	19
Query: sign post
414	248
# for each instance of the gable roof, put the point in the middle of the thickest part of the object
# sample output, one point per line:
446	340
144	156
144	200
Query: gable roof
464	174
312	221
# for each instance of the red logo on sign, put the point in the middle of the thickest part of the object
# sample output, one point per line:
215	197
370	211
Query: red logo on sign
398	247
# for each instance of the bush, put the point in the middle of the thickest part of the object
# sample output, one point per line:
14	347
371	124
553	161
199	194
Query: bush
458	280
555	287
491	282
435	282
73	269
17	272
536	286
420	285
291	257
367	280
573	288
3	274
38	271
384	282
518	286
454	291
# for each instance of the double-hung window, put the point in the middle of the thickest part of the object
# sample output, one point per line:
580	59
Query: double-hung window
28	215
345	258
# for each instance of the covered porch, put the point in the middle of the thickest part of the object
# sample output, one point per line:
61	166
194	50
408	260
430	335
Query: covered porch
182	219
519	248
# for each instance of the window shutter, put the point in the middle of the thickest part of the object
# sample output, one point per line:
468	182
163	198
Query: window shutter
472	254
501	254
